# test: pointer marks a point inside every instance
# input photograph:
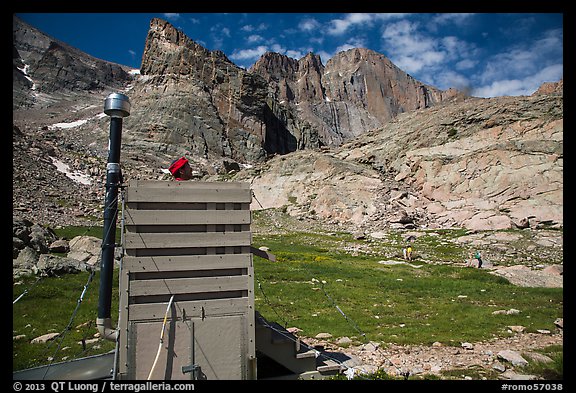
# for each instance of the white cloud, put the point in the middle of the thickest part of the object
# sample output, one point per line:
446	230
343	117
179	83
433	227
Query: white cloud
409	49
409	64
308	24
295	54
171	16
340	26
524	86
251	28
249	54
521	69
351	43
551	40
358	18
551	73
219	35
277	48
466	64
456	48
449	78
458	19
511	64
513	87
254	38
431	58
317	40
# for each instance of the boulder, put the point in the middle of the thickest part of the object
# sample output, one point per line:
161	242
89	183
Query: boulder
513	357
85	249
59	245
53	265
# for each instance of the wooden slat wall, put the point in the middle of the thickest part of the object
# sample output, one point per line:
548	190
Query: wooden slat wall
191	240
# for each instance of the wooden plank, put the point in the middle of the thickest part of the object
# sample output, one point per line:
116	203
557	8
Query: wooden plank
186	217
178	286
184	206
179	240
190	309
181	194
187	184
185	262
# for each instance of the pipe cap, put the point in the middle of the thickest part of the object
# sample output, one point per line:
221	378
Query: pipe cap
117	105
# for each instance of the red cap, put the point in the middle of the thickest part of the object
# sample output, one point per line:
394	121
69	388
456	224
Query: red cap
176	165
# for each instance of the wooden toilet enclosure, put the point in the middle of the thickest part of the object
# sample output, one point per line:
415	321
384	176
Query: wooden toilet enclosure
189	242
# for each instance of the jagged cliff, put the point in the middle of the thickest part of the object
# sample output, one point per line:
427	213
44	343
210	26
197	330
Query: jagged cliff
358	90
208	105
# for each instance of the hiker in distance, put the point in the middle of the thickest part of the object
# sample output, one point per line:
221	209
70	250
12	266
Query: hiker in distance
479	258
407	252
181	169
470	261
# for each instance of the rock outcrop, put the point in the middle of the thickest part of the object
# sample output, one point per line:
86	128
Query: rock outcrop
478	163
550	88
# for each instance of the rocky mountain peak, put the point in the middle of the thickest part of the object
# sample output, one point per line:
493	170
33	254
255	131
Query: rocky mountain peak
47	70
275	66
356	91
168	51
311	62
210	107
166	32
356	55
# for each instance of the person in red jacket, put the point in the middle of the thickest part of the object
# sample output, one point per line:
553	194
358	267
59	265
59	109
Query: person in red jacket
181	169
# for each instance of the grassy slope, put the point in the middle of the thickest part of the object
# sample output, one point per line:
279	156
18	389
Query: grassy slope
395	303
314	273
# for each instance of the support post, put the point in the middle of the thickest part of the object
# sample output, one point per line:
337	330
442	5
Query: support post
117	106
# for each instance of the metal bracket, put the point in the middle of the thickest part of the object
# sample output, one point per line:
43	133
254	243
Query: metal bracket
194	369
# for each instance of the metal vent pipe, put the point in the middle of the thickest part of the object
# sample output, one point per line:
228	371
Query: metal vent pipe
117	106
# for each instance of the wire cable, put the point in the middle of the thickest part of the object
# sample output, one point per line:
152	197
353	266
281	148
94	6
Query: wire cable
68	327
26	290
161	338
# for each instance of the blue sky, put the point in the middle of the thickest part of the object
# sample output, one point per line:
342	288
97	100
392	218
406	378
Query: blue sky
488	54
